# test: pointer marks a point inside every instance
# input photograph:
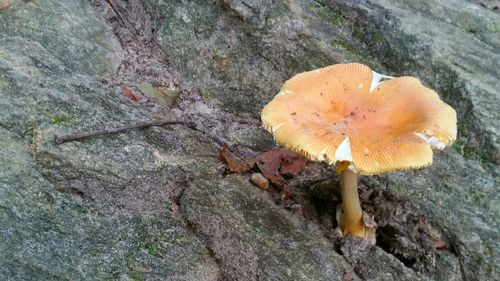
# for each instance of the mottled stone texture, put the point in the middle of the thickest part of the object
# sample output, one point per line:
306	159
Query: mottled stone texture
155	203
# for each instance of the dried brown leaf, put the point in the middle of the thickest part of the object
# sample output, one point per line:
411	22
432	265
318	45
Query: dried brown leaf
130	94
292	164
440	245
276	163
273	164
233	163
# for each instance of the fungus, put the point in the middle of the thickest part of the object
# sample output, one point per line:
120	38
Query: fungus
347	115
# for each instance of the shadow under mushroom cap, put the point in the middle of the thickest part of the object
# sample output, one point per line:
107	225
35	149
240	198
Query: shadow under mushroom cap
330	115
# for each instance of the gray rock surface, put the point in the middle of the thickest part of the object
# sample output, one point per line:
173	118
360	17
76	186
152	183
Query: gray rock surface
155	203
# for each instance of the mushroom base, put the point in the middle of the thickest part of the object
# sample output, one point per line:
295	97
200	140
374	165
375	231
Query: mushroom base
350	217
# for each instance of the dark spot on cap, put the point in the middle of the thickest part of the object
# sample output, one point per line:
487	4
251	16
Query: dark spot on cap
293	113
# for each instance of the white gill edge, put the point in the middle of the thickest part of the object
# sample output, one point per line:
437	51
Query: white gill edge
282	93
432	140
275	127
377	80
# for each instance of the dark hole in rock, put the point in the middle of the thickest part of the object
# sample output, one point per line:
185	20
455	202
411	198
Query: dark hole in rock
402	231
386	237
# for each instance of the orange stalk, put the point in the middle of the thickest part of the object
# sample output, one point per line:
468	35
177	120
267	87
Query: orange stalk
351	222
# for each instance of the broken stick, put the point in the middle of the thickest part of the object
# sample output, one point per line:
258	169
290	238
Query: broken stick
140	125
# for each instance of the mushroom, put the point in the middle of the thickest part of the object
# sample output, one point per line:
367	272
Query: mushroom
362	122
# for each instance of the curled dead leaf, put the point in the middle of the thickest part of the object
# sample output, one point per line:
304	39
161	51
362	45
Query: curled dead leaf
273	164
433	234
276	163
440	245
233	163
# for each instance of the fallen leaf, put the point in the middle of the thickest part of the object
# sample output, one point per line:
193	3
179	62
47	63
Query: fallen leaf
148	90
163	95
292	164
233	163
169	95
130	94
275	163
440	245
434	235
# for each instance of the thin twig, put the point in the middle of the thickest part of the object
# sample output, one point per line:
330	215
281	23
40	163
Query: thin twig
106	131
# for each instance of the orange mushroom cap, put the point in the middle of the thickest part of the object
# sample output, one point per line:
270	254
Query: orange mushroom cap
344	113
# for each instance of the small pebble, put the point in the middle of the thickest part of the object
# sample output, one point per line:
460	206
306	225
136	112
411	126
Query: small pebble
174	207
259	180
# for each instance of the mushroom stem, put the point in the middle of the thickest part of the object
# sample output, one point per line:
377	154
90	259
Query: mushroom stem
351	222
